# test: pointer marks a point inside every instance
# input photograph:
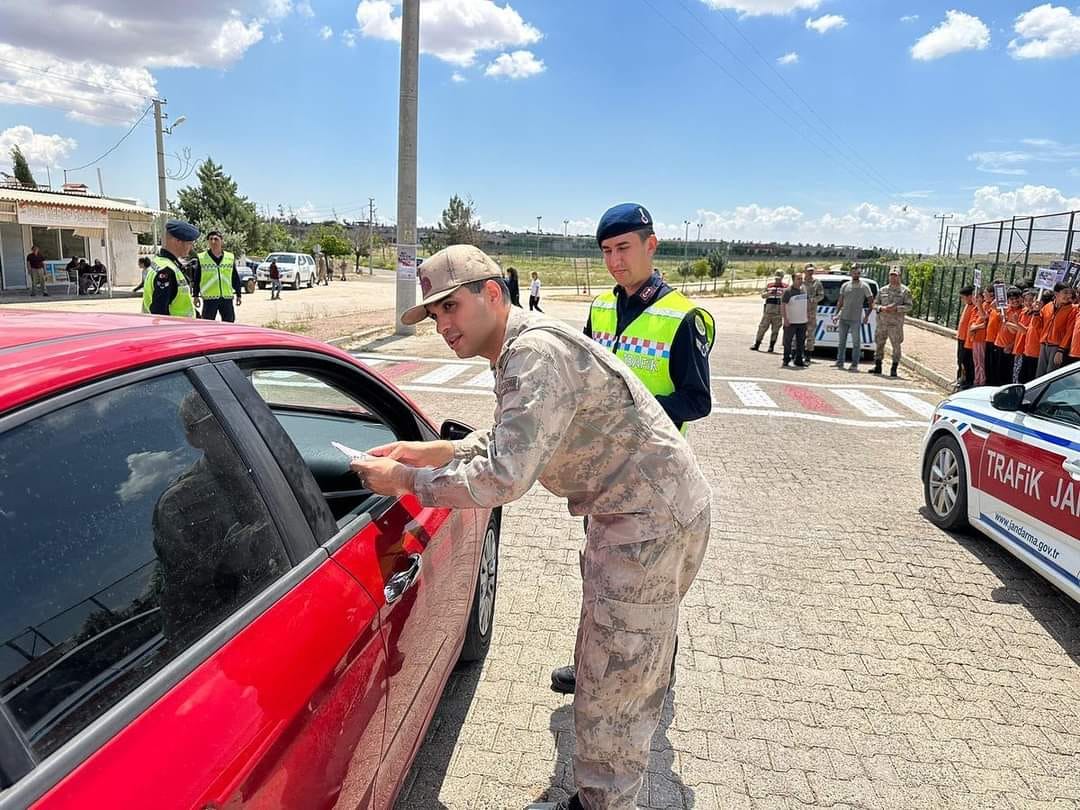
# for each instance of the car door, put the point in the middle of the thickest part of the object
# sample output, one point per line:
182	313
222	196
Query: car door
417	563
170	633
1030	478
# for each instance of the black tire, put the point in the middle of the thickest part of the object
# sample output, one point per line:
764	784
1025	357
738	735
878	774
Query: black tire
482	614
311	281
262	285
945	484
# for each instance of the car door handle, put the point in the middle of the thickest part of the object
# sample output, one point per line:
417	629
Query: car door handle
403	580
1072	467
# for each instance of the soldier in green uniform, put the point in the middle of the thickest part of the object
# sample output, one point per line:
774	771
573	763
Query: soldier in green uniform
894	301
166	290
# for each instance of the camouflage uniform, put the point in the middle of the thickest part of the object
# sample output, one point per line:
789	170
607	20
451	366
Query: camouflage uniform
815	293
571	415
772	316
890	325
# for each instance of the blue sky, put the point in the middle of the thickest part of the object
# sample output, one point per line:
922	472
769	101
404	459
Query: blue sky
888	112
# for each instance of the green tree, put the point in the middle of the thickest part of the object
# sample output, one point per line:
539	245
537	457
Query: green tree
717	260
21	168
215	202
332	239
459	224
700	269
685	269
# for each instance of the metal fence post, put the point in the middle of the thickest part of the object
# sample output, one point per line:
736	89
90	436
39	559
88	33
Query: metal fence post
1069	237
952	289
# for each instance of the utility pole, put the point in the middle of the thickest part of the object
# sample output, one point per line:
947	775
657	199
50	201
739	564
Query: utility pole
699	227
159	136
538	235
686	240
371	237
941	237
406	190
100	185
565	226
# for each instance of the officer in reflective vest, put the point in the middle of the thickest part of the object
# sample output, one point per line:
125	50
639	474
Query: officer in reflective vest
654	329
217	280
166	290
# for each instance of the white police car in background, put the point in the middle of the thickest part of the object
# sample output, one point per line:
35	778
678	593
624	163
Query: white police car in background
296	270
1007	461
826	333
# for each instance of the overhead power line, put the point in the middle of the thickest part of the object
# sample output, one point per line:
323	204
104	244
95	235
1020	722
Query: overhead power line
76	79
116	145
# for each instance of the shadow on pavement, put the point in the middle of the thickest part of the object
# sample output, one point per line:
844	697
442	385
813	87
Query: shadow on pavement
1020	585
662	788
425	781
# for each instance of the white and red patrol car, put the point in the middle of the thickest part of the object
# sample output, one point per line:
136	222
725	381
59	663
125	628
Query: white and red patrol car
1007	461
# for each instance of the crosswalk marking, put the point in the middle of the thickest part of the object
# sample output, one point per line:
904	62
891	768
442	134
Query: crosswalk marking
751	395
865	403
485	379
920	406
370	361
441	375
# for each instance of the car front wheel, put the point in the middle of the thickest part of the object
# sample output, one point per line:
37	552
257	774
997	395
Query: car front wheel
482	615
945	484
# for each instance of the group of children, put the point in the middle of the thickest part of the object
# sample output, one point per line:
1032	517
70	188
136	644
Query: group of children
1033	335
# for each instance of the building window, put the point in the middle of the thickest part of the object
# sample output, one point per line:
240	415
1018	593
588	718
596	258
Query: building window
58	243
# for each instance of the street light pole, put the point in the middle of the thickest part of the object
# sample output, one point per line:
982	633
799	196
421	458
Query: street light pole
538	235
565	226
407	136
686	240
699	227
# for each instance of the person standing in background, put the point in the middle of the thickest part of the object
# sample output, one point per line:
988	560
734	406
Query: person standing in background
977	332
512	285
796	315
35	265
815	294
965	363
275	281
534	293
771	316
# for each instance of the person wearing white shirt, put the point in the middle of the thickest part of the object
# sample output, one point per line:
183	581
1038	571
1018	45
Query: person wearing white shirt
534	293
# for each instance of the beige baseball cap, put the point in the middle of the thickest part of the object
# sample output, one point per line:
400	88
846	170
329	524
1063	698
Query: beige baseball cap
446	271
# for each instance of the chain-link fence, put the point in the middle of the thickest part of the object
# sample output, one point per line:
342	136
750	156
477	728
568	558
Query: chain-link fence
1026	241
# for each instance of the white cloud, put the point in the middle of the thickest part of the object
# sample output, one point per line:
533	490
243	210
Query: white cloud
278	9
457	78
788	59
349	38
326	32
1046	32
39	149
277	38
304	9
757	8
993	203
826	23
88	91
958	32
516	65
1015	161
909	18
454	31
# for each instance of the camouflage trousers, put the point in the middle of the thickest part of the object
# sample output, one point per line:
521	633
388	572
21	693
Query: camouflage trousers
811	329
893	332
626	639
771	317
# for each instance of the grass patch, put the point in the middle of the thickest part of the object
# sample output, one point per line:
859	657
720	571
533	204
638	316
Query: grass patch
296	327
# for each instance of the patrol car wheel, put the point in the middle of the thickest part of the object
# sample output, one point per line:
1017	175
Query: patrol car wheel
945	484
482	615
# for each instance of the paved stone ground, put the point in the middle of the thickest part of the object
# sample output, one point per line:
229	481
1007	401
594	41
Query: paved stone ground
837	650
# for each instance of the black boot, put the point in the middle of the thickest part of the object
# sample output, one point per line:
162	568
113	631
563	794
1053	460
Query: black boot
573	803
754	348
877	367
564	680
892	371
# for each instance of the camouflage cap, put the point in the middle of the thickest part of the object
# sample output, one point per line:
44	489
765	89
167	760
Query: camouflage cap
445	272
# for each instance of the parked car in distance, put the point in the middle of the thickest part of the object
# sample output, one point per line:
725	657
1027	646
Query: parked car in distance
297	269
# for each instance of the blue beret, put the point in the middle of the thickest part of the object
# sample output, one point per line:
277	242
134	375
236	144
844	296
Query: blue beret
184	231
622	219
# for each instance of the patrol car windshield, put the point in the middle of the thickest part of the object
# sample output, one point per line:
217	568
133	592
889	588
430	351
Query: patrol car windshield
832	290
281	258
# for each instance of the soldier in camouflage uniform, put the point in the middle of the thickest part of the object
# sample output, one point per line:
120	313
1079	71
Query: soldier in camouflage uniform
771	315
815	294
894	301
570	414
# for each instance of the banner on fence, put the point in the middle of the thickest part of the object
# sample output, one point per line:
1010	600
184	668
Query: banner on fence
1066	272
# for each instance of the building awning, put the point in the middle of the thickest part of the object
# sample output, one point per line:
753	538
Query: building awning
58	210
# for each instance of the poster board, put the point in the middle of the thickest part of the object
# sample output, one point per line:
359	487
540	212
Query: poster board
406	262
1045	278
1001	299
976	279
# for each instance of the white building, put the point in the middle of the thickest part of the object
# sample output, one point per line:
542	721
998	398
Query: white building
66	225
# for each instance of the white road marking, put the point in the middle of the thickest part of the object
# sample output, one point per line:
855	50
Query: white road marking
865	403
920	406
428	389
370	361
398	358
443	374
795	381
485	379
816	417
751	394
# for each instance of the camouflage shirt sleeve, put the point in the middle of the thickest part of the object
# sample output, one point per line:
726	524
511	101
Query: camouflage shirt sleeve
537	400
906	302
475	444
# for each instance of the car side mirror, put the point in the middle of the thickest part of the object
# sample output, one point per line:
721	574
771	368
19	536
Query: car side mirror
452	430
1009	398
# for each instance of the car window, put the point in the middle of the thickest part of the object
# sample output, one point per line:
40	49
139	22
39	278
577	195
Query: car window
138	530
832	291
281	258
1060	400
314	412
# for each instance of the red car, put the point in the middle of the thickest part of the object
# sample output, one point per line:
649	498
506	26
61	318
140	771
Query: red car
199	605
